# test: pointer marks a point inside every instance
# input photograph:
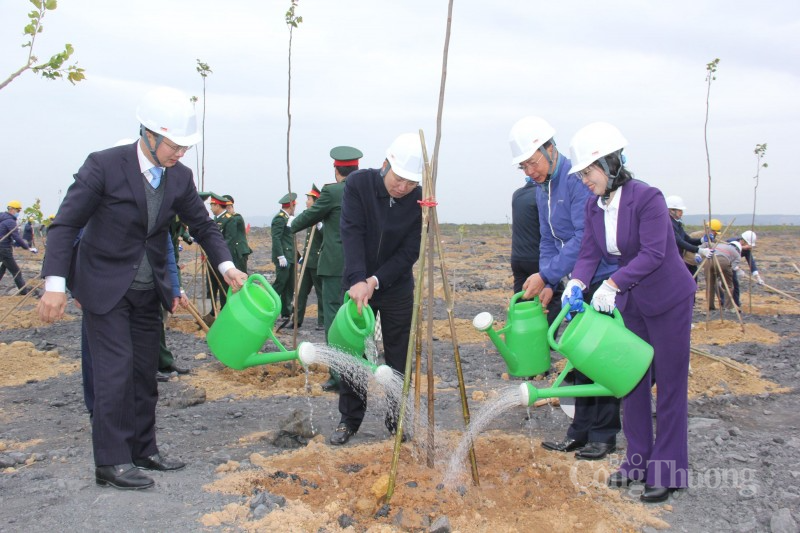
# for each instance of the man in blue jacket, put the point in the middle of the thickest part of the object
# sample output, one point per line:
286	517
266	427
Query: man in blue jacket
561	198
381	227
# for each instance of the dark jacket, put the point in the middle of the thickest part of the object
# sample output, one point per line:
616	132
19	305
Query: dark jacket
685	242
108	198
525	224
380	234
9	232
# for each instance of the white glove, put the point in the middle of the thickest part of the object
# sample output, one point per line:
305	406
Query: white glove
36	250
758	277
319	226
289	222
282	262
705	252
604	298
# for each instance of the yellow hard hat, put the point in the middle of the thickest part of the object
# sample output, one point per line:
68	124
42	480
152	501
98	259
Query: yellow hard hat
15	204
715	224
51	217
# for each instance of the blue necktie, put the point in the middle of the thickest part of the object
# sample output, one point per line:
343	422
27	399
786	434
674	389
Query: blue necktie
156	172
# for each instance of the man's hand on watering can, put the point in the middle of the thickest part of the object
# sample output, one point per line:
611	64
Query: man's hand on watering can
604	299
235	278
362	291
533	286
573	297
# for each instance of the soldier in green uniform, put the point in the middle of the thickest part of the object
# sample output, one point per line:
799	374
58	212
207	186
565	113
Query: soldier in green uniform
240	249
217	287
327	209
283	254
310	260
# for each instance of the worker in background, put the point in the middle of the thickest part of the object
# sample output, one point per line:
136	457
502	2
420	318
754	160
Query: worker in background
687	245
9	235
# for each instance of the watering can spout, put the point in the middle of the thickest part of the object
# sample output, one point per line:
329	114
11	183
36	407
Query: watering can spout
266	358
529	394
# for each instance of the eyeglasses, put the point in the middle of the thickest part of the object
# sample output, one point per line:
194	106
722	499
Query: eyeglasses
175	147
528	162
586	171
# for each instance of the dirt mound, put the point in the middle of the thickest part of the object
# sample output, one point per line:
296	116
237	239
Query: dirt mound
520	485
23	363
258	382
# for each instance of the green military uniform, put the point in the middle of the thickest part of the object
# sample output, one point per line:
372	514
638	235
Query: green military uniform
310	277
237	239
283	245
327	209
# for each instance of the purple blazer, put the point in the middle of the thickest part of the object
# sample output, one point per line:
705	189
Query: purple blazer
108	199
651	271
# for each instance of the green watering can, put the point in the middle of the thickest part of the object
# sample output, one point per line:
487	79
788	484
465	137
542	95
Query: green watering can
602	348
245	324
525	349
349	330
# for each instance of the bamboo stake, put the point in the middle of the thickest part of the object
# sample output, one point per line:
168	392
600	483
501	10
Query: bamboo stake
24	298
727	362
429	344
199	319
796	268
778	291
299	281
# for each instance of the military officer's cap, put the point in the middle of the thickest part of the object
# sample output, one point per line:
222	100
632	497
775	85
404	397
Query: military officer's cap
215	198
314	192
228	199
288	199
346	156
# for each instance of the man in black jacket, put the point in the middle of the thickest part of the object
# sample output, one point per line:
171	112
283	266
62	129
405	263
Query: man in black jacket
381	227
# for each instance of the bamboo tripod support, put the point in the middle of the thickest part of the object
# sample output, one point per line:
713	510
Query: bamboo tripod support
430	235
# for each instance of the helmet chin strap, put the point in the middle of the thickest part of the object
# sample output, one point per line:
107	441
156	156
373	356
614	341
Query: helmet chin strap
610	184
551	164
152	149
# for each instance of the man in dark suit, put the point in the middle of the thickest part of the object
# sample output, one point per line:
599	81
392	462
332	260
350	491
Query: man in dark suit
381	228
119	278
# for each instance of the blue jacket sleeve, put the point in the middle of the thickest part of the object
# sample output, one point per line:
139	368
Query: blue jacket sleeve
172	269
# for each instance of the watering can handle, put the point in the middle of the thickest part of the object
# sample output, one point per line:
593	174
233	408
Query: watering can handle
366	311
551	331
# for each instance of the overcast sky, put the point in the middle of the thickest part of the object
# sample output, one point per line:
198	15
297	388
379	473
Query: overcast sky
364	72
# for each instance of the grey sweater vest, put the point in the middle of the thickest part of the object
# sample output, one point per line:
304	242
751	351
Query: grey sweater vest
144	275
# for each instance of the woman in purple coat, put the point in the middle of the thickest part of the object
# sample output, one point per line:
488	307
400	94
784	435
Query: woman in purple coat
629	223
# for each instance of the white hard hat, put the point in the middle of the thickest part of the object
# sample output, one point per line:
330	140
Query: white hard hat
169	112
527	136
405	156
592	142
749	237
675	202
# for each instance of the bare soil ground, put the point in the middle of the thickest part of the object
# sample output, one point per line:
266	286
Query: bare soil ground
244	474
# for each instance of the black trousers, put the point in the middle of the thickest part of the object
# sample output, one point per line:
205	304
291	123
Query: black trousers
596	418
396	314
8	263
123	347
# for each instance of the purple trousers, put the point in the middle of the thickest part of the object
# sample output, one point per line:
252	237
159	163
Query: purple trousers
661	460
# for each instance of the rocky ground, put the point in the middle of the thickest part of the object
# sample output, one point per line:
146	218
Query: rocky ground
255	440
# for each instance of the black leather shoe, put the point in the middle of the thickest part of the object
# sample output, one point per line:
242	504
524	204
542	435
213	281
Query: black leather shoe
656	494
566	445
330	385
320	327
595	451
156	462
174	368
341	435
618	480
123	477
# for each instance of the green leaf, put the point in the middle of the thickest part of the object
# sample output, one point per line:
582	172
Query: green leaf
37	3
51	4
